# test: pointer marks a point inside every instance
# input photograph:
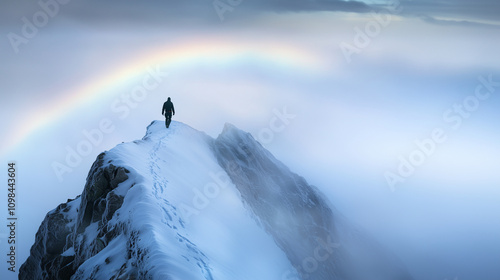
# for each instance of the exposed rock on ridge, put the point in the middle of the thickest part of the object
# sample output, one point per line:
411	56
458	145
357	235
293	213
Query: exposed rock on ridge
60	243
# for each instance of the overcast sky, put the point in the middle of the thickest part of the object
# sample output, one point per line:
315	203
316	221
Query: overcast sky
364	81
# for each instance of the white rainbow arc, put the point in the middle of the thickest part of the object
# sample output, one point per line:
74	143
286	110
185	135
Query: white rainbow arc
212	51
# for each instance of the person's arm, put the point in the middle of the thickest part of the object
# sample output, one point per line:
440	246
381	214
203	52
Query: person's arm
173	110
163	109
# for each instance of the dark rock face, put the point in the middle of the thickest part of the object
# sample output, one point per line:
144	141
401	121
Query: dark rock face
98	204
61	231
100	182
49	244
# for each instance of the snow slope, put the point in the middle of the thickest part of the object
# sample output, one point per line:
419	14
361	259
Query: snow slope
179	204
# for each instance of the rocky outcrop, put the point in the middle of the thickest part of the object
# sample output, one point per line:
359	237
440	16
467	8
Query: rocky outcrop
61	244
98	204
136	218
50	242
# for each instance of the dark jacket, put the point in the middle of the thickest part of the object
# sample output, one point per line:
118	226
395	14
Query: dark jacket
167	107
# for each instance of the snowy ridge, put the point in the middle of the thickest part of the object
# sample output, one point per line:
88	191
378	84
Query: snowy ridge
179	204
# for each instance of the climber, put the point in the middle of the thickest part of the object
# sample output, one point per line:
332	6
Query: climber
168	110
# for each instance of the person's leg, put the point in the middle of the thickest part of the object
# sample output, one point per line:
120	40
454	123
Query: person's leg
169	119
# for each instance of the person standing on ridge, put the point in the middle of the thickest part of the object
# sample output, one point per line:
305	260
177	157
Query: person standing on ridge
167	111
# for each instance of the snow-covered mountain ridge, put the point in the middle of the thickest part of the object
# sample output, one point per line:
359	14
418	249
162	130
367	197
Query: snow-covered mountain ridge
179	204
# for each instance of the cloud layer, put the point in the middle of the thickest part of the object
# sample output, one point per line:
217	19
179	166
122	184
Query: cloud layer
197	11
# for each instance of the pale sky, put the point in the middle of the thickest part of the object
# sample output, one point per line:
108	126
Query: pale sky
362	82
